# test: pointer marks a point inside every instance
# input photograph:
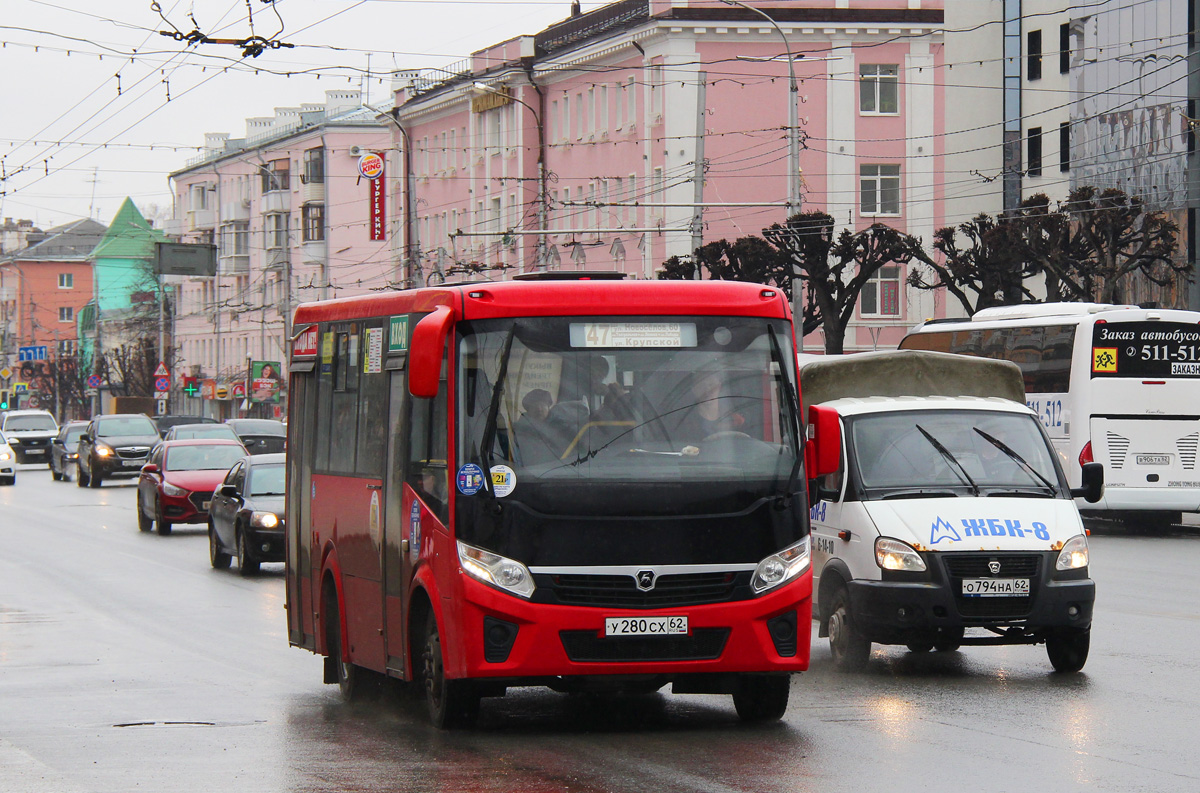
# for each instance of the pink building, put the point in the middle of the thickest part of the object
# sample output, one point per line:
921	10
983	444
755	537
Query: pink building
293	220
640	130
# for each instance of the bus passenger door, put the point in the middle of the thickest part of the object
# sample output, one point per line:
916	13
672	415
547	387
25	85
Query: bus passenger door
397	569
300	574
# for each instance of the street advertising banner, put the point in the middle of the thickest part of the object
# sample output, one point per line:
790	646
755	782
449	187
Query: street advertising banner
264	381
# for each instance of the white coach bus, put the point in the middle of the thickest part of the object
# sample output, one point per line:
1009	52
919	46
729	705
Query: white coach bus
1117	385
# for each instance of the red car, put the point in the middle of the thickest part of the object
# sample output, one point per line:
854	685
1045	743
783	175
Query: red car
177	483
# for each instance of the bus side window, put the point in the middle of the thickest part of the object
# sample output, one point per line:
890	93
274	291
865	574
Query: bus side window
427	450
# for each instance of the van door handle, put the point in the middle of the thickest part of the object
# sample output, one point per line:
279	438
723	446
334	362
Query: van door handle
374	487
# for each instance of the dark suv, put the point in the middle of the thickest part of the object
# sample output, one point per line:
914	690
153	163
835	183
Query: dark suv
115	445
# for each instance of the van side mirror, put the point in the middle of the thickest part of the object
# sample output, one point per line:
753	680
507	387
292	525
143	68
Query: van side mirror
1092	477
85	438
823	453
425	352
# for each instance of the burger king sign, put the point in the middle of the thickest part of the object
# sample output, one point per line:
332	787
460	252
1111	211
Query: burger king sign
370	165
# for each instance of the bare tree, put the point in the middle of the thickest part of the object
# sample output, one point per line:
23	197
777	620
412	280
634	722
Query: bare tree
989	270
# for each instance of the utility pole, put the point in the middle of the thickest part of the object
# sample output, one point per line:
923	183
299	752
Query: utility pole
698	175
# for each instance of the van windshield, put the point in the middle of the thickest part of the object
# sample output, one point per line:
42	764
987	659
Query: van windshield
29	423
953	452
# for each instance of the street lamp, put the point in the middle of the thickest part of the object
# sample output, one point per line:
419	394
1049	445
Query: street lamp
541	164
793	111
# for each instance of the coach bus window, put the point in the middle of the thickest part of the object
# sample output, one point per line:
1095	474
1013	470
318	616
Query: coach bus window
1057	346
344	418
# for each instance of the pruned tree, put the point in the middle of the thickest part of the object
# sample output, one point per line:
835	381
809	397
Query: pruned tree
835	272
1050	242
129	368
1121	239
749	259
982	264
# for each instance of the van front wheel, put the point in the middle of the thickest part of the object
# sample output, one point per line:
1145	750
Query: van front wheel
1068	650
850	649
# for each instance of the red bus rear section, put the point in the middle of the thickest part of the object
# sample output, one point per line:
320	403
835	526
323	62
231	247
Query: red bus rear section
586	484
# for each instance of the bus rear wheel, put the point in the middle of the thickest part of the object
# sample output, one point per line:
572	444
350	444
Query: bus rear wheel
452	703
762	697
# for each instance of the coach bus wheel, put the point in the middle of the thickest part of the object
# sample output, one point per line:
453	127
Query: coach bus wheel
452	703
1068	650
762	697
850	649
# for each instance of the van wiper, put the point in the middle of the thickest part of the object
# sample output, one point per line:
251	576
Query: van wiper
958	469
1018	459
793	414
489	429
919	492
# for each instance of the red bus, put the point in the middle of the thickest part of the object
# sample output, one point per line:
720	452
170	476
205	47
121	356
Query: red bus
643	518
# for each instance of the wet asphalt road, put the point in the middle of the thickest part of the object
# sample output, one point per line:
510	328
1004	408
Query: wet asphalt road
127	663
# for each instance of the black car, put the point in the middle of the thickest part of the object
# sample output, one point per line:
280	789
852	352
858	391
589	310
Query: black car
165	422
114	445
245	518
260	436
64	449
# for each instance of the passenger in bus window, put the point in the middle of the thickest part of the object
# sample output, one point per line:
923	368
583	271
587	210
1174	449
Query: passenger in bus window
534	436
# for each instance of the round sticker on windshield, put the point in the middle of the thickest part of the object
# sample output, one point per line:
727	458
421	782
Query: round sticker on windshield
504	480
470	479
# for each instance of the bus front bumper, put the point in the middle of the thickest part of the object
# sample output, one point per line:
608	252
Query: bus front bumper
504	636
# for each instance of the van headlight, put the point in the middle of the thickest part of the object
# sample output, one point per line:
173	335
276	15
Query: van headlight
104	450
893	554
494	569
1074	554
781	567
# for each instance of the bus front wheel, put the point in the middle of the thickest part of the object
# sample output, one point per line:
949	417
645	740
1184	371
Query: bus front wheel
452	703
762	697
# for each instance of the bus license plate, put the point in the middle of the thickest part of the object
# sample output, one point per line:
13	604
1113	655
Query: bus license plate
645	626
1154	459
995	587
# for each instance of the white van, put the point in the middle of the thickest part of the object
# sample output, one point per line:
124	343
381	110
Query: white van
950	521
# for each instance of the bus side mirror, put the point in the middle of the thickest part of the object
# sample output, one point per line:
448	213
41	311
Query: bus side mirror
1093	483
425	352
824	449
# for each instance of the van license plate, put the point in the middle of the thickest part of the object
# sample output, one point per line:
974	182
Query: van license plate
995	587
645	626
1154	459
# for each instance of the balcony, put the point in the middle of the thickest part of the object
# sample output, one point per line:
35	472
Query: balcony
234	265
201	219
312	192
278	258
313	252
276	201
238	209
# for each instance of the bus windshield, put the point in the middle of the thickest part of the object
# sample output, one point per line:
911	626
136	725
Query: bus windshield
630	416
951	451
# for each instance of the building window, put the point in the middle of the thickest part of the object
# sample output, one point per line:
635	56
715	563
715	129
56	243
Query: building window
275	175
66	280
1064	146
313	217
66	348
276	227
314	166
1033	150
235	238
879	89
1033	55
1064	48
881	295
880	188
66	314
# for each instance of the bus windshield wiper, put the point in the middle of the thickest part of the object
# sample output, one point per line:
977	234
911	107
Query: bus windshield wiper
958	469
793	414
489	429
1018	459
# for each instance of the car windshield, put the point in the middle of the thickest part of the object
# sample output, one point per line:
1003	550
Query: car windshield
203	458
24	423
266	480
959	452
203	431
125	425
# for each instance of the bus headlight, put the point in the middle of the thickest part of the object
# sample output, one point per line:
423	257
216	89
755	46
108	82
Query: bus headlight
896	555
1074	554
781	567
491	568
264	520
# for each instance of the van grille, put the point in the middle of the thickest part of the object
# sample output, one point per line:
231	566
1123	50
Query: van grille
620	591
975	565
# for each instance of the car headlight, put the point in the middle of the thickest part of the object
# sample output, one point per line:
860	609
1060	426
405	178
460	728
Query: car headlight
491	568
104	450
1074	554
896	555
781	567
264	520
173	490
5	455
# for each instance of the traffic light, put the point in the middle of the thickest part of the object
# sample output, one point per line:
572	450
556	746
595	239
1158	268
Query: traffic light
4	399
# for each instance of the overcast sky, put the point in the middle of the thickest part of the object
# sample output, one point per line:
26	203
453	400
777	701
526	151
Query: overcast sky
90	87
